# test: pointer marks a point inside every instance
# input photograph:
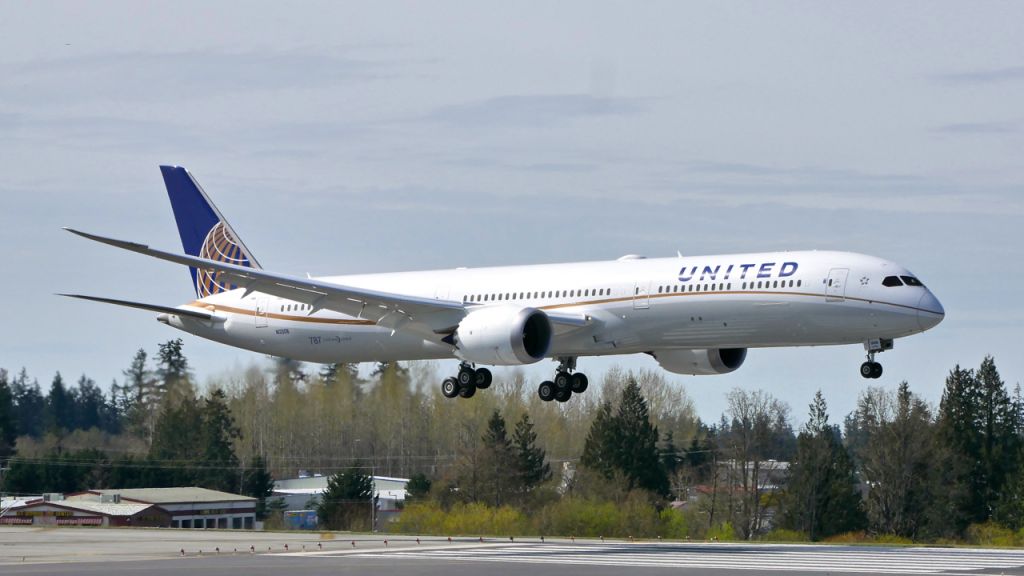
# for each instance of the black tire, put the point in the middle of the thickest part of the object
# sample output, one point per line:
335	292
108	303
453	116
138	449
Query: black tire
867	369
546	391
483	378
563	380
876	371
466	376
467	391
450	387
578	383
563	395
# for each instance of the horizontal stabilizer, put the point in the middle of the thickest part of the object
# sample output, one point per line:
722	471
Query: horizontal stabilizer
142	306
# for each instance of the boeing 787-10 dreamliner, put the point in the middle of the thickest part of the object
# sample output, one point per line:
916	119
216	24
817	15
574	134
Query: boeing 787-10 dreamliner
693	314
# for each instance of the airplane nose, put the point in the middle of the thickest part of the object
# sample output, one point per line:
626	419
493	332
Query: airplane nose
929	311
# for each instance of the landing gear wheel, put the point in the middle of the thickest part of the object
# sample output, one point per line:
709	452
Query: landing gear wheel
466	376
876	370
867	369
467	391
483	378
450	387
546	391
563	395
563	380
578	383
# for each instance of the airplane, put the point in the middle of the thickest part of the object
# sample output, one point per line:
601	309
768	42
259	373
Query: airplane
696	315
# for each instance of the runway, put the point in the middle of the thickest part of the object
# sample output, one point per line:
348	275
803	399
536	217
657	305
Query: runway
88	551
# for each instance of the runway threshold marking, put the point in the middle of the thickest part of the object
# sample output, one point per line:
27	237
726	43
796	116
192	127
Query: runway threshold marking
781	558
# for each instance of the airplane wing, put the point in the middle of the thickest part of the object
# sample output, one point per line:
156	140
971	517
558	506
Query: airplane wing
427	316
152	307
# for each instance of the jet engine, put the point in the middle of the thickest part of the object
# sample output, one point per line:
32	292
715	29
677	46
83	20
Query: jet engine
503	336
701	362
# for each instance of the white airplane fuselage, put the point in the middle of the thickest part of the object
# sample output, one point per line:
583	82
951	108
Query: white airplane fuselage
632	305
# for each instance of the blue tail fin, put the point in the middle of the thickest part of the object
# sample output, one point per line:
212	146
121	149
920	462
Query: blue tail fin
204	232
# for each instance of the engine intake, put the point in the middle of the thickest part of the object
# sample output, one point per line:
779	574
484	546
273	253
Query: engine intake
503	336
701	362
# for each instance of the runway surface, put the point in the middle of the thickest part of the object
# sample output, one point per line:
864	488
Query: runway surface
215	553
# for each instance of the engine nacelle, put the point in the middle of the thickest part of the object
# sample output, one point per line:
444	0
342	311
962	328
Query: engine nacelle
701	362
503	336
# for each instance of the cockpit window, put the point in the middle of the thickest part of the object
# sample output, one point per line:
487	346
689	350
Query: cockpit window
911	281
891	281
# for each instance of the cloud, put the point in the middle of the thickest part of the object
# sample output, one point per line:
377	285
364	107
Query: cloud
181	75
979	128
984	76
533	110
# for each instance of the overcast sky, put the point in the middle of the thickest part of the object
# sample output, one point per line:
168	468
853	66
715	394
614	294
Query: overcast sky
345	138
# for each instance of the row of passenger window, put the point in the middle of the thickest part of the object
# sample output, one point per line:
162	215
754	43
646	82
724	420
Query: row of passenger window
680	288
585	293
295	307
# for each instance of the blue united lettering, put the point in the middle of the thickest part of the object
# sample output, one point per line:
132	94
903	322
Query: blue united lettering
758	269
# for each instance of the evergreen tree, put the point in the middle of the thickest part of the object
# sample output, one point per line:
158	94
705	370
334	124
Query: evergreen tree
60	407
178	437
637	455
346	504
173	372
30	411
495	462
531	467
139	396
822	497
1000	443
418	488
219	467
90	406
259	484
626	443
959	467
8	425
600	451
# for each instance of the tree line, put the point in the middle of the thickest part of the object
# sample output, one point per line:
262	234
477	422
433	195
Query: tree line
628	458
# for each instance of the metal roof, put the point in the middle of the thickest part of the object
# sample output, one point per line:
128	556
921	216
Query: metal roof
105	508
183	495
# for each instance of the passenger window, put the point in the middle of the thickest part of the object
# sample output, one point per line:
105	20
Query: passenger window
911	281
891	281
775	284
799	282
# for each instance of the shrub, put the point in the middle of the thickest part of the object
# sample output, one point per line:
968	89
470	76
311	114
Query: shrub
723	532
674	524
783	535
991	534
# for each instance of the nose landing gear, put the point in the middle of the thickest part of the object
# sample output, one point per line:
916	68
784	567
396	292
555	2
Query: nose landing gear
872	369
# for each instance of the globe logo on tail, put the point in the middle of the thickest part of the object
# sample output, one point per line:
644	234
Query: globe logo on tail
220	246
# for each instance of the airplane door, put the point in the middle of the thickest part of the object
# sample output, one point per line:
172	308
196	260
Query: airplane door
835	286
261	312
642	296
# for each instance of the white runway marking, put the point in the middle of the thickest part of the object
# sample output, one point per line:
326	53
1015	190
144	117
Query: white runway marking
783	558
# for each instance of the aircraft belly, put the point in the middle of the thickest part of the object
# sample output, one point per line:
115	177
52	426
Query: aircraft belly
318	343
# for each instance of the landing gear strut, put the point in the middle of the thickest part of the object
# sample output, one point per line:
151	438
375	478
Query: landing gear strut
566	383
466	382
872	369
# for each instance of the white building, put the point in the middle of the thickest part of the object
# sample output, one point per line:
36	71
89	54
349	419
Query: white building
188	507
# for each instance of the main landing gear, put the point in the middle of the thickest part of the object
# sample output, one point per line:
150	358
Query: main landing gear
872	369
466	382
566	383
